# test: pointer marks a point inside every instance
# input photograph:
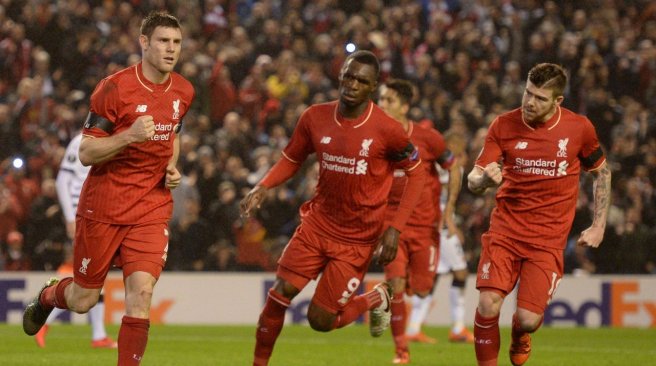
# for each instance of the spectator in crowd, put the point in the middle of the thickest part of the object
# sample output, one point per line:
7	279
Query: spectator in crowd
15	257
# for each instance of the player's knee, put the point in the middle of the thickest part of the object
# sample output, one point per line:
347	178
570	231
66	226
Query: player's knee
459	279
321	324
422	294
286	289
489	303
398	284
143	294
529	321
320	320
84	303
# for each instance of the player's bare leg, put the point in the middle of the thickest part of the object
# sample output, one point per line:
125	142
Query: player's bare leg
133	334
63	294
486	327
524	322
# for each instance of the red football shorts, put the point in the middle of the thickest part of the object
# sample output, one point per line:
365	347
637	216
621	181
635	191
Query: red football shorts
416	259
504	261
133	248
342	267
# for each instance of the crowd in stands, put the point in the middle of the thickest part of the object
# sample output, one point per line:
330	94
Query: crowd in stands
256	65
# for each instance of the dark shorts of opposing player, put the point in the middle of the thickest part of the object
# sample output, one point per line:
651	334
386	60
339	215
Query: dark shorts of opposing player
416	259
342	267
98	246
504	261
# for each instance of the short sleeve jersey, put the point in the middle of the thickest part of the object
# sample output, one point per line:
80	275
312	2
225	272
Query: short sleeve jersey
129	188
71	165
432	150
536	201
356	159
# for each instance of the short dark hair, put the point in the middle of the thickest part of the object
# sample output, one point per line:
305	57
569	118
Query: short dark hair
403	88
367	58
550	76
158	19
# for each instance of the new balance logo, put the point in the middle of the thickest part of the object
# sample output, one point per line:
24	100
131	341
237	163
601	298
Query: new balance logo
141	108
521	145
325	140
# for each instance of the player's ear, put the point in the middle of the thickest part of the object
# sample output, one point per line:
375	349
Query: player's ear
559	99
144	42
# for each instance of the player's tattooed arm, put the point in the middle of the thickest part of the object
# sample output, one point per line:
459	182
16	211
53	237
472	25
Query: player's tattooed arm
593	235
602	192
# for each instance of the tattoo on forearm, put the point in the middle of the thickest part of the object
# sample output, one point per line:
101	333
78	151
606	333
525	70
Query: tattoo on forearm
602	194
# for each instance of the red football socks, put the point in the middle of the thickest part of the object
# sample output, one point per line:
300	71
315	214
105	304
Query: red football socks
399	315
356	307
53	296
132	340
269	326
487	339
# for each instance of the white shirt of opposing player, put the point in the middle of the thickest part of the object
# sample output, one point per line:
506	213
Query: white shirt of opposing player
70	179
452	256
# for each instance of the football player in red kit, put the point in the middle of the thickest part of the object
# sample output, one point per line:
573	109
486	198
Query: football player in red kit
357	146
416	262
534	154
130	140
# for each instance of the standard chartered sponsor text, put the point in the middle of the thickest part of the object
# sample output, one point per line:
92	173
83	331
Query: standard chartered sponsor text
338	163
536	166
161	127
338	159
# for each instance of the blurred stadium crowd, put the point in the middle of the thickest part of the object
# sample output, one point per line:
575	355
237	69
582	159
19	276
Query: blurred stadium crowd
256	65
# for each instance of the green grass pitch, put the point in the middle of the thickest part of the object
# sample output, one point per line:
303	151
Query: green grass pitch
299	345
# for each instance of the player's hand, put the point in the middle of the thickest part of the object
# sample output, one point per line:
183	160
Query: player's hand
142	129
591	237
388	246
492	172
173	177
449	225
252	201
453	229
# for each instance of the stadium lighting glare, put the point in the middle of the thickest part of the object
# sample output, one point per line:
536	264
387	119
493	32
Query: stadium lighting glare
17	163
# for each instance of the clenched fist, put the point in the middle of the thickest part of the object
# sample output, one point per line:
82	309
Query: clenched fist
142	129
493	173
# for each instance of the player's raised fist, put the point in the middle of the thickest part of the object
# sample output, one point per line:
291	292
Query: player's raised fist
142	129
493	173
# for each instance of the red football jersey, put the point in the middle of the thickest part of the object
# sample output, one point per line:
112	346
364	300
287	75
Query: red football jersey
432	150
129	188
356	162
536	201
